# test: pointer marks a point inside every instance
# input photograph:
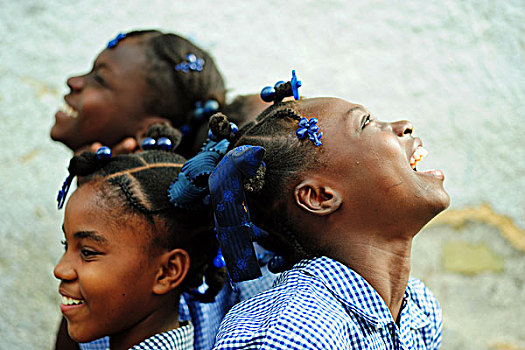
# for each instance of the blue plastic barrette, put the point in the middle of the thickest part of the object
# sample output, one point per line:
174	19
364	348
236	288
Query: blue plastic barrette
268	92
192	63
235	231
310	127
112	43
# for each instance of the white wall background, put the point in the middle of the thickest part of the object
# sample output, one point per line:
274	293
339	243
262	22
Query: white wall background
455	68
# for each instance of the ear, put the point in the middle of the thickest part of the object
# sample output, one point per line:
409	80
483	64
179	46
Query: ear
316	198
174	266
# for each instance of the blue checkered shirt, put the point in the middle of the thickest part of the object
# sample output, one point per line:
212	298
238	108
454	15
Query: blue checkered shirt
322	304
176	339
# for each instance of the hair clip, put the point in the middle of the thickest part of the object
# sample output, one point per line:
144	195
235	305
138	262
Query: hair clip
101	154
310	127
204	110
112	43
163	143
61	198
193	63
269	94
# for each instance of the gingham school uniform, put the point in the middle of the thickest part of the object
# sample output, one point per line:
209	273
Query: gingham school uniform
322	304
176	339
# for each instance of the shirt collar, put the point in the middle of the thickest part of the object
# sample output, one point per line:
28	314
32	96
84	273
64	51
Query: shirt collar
358	295
177	339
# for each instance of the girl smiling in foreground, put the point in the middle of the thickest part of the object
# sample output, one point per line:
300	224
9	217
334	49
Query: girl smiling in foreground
129	253
342	209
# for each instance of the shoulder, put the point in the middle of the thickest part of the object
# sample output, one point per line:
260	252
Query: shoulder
299	312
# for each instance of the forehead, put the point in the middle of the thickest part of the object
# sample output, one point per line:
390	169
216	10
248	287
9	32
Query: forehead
329	108
127	58
89	209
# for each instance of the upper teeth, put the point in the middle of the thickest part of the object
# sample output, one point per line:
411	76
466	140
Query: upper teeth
418	154
71	301
69	110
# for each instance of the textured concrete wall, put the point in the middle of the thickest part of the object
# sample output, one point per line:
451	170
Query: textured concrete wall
455	68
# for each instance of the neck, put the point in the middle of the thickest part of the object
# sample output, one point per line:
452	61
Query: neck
385	264
162	319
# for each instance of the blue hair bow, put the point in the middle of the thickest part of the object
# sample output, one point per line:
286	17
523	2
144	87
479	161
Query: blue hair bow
235	231
310	127
186	191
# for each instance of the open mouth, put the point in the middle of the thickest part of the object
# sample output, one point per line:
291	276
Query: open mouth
69	110
71	301
417	156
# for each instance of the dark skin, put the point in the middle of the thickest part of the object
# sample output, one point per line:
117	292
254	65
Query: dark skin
367	201
109	102
99	271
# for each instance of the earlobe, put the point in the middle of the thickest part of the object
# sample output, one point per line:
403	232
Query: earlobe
317	199
172	271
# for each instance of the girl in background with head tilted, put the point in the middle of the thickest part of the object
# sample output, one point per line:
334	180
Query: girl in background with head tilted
337	193
142	77
129	252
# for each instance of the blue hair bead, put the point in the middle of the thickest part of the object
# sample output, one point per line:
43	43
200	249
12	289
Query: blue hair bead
148	143
218	261
234	127
212	136
268	94
211	106
164	143
296	84
103	152
280	82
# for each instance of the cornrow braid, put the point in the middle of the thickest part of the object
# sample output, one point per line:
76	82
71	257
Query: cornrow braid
138	184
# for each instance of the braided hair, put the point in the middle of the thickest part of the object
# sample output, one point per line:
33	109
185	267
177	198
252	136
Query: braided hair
286	158
138	184
174	93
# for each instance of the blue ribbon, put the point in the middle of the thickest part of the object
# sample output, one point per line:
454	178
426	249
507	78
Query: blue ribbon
235	231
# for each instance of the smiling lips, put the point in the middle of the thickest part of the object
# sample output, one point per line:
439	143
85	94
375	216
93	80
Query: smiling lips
68	110
69	303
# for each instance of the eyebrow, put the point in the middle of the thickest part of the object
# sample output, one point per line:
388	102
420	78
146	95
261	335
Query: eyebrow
91	235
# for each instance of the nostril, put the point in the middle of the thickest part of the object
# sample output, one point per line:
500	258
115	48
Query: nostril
407	131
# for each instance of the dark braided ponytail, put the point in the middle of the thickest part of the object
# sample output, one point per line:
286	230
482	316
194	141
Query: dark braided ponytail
285	158
138	184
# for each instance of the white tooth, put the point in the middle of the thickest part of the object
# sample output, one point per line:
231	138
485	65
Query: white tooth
64	300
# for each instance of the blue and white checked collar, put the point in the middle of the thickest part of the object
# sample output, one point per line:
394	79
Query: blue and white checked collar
358	295
322	304
176	339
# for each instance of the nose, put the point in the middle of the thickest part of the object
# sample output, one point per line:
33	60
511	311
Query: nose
402	128
76	83
64	270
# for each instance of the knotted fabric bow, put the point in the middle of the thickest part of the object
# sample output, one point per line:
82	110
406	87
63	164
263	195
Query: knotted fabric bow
235	231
